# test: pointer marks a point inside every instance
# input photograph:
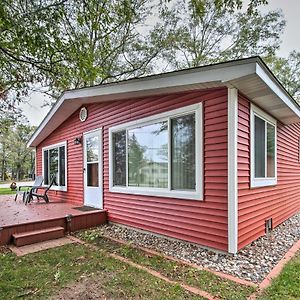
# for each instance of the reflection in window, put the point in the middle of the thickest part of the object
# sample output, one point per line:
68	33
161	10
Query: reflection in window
148	156
119	162
46	165
62	163
55	165
264	145
161	154
259	147
183	152
92	148
53	162
270	150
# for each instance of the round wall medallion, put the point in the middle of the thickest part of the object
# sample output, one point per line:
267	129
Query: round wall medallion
83	114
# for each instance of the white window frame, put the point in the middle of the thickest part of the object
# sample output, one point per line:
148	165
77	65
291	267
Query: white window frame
266	181
53	146
196	194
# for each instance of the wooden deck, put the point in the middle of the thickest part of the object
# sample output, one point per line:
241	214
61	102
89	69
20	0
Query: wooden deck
15	217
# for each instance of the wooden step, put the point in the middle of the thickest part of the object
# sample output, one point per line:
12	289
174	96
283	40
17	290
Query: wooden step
36	236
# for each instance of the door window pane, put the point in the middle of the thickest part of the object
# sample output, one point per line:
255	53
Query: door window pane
53	162
183	152
119	158
62	160
259	144
92	174
92	148
270	150
148	156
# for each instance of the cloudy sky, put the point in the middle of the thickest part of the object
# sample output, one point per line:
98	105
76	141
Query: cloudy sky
290	41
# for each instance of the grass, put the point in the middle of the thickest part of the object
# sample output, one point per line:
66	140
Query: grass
204	280
41	275
287	284
45	274
6	191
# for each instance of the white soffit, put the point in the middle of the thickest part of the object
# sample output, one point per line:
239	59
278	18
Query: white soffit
249	76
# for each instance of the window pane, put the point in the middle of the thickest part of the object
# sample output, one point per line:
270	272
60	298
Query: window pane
148	156
53	162
46	169
270	150
92	174
62	159
92	148
259	144
183	152
119	158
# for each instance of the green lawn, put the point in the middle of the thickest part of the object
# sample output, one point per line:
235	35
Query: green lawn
41	275
6	191
287	284
56	271
204	280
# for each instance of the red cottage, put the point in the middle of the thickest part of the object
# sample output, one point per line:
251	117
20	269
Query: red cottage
208	155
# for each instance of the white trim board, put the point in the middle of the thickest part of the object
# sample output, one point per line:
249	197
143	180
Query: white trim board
232	170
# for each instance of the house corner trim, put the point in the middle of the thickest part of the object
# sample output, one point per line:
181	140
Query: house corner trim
232	170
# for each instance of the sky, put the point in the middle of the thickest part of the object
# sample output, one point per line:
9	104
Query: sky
35	113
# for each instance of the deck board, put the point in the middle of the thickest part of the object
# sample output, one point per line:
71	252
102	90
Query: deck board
15	217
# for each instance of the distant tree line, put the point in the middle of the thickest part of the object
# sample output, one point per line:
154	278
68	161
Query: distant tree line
16	160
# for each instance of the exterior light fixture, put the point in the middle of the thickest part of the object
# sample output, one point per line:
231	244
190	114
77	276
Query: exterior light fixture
77	141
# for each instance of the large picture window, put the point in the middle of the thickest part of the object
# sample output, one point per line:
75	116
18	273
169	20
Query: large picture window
159	155
54	164
263	149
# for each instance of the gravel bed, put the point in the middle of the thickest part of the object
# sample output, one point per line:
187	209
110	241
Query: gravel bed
252	263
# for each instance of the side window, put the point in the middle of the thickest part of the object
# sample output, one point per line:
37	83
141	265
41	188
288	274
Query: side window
263	149
54	164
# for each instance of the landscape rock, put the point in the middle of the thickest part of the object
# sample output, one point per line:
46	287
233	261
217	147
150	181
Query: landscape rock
253	262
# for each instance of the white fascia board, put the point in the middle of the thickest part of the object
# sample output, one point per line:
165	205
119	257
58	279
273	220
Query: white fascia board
232	170
182	78
279	91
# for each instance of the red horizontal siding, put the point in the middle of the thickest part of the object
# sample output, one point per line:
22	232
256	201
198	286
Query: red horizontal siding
203	222
278	202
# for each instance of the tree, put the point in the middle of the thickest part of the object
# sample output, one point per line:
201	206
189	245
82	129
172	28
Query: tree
199	6
63	44
16	159
216	35
287	70
70	44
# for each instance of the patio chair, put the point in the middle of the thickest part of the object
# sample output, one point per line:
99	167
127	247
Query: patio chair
24	190
40	192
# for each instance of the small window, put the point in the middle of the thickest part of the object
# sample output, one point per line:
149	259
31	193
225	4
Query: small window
159	155
54	164
263	145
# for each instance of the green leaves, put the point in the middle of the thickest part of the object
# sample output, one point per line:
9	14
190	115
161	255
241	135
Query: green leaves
287	71
217	33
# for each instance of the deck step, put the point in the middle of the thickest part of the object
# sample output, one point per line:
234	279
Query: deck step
36	236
